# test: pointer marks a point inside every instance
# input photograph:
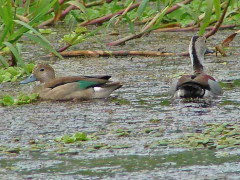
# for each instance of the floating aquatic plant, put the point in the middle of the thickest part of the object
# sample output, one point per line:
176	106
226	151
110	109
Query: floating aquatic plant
12	74
216	136
9	100
77	137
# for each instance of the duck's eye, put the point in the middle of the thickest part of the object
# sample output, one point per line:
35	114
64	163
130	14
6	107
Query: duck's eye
42	69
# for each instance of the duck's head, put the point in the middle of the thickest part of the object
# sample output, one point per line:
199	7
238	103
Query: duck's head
197	50
42	73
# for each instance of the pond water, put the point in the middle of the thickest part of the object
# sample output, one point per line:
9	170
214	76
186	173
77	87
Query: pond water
125	125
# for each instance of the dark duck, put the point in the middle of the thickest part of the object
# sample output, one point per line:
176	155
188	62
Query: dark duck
198	84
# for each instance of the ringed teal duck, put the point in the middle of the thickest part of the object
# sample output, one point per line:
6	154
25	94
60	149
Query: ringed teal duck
198	84
69	88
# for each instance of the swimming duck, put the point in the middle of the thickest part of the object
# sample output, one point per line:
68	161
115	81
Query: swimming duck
198	84
69	88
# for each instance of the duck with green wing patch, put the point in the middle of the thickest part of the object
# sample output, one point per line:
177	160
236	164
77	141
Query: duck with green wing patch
70	88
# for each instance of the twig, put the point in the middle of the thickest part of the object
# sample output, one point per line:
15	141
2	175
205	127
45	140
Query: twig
217	26
193	28
64	48
127	38
109	16
177	6
125	12
96	3
63	14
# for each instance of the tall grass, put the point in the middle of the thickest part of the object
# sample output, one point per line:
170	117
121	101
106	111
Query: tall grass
17	19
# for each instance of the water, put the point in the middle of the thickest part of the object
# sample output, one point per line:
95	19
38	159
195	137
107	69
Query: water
130	109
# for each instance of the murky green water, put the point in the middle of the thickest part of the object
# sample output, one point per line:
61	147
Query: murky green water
110	166
137	109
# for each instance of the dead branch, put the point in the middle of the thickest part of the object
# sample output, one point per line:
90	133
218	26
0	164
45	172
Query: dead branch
220	47
193	28
97	53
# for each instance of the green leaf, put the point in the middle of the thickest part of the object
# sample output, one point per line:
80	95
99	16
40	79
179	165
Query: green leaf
207	17
40	11
40	40
79	6
142	7
43	43
13	73
17	56
45	31
3	61
130	24
7	100
217	6
80	136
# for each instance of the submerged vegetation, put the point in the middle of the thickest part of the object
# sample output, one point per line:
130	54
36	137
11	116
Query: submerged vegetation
215	136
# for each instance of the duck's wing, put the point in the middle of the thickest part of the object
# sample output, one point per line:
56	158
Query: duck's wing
215	87
179	82
81	82
106	77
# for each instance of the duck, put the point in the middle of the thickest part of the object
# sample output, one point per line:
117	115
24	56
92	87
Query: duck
198	84
70	88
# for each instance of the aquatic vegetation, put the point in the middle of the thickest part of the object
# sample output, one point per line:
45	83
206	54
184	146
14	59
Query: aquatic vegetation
120	101
9	100
215	136
155	121
229	102
165	102
12	74
230	84
77	137
75	37
122	132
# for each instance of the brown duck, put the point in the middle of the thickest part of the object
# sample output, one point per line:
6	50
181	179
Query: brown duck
198	84
67	88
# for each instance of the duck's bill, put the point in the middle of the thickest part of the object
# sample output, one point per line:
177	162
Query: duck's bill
209	51
29	79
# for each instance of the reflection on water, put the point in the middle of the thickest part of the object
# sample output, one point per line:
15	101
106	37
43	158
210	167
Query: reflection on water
111	165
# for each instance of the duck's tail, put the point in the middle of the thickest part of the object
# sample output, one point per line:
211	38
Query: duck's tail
105	90
190	90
